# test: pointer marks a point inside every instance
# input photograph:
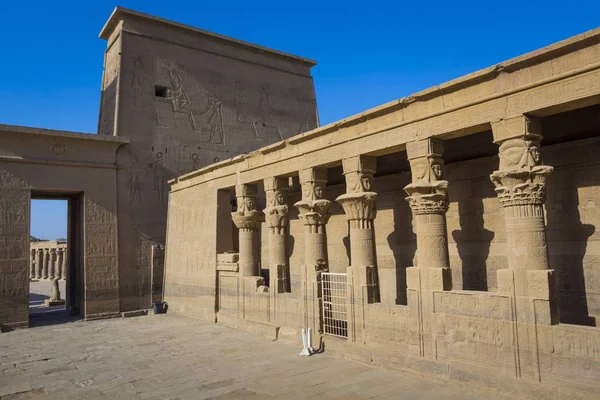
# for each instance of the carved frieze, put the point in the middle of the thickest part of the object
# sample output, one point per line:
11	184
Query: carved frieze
427	193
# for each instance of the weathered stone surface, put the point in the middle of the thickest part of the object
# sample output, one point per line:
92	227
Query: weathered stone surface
482	302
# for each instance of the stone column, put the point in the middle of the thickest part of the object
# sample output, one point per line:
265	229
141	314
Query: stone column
52	263
248	220
45	265
64	263
427	196
39	260
314	212
32	254
521	186
59	262
428	200
359	206
276	215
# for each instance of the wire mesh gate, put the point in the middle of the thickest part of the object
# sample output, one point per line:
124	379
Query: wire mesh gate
335	318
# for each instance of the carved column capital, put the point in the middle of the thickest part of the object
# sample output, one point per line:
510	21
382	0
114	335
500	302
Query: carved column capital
359	206
359	199
246	216
521	177
428	193
314	209
276	212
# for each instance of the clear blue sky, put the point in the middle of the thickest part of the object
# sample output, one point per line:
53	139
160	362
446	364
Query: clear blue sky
368	53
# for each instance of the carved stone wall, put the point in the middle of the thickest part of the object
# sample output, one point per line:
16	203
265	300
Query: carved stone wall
80	167
495	321
187	99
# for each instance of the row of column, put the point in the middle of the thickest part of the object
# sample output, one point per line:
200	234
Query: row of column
520	184
48	263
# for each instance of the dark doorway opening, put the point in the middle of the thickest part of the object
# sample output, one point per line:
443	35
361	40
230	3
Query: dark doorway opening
56	276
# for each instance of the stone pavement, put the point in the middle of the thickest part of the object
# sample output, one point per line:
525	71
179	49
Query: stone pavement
174	357
40	290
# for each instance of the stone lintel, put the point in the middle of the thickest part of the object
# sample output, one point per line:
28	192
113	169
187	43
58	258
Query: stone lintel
313	175
276	183
520	127
430	147
360	163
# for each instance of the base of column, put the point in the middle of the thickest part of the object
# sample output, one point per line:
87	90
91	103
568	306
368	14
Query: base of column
535	287
52	303
418	278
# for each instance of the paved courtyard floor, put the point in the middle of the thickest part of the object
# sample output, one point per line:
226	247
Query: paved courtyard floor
174	357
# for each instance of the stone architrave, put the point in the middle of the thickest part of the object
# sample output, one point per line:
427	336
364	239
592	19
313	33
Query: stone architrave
45	263
248	220
360	208
276	217
39	261
314	212
52	263
521	187
428	199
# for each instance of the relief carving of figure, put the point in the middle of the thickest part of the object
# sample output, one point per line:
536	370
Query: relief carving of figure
143	89
268	116
196	162
243	115
180	102
160	179
215	120
135	198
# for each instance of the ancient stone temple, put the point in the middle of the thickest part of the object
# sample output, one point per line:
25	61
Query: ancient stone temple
452	232
174	99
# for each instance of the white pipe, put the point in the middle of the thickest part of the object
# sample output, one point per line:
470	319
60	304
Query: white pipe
304	351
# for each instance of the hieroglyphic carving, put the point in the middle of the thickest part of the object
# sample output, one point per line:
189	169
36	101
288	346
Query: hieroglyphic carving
14	251
101	277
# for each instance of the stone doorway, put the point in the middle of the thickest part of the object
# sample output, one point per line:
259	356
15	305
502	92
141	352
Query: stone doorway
55	275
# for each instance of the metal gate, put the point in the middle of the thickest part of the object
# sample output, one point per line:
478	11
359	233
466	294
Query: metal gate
335	317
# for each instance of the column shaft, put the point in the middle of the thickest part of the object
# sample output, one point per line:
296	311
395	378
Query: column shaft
64	263
432	243
46	262
59	262
248	254
526	237
277	249
39	260
362	246
32	264
52	263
